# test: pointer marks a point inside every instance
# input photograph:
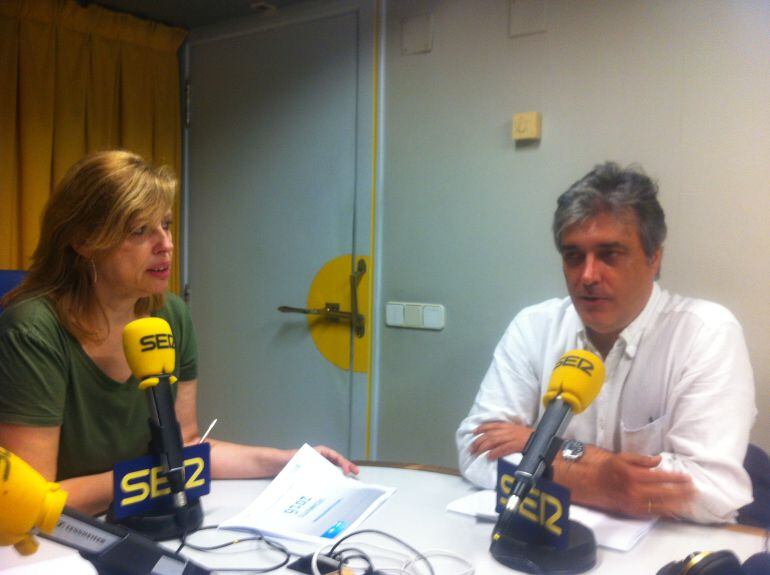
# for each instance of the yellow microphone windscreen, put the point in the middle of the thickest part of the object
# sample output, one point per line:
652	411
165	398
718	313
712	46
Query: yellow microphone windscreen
149	347
27	501
577	377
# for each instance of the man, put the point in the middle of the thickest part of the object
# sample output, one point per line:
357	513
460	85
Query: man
667	434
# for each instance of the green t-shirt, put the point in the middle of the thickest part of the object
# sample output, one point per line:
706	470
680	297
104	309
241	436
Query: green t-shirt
47	379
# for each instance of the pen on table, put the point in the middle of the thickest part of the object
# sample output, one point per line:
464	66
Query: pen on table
205	435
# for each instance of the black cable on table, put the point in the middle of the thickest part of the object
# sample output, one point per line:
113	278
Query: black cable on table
417	554
257	536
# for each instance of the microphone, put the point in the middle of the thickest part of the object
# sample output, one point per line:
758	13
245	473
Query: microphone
575	382
149	347
150	350
31	506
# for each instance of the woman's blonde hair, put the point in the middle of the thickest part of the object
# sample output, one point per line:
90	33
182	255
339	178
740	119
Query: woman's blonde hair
96	205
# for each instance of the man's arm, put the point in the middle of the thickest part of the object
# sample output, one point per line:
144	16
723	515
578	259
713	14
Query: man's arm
710	416
625	483
509	392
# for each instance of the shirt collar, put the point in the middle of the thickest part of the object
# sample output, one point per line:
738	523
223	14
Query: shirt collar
633	332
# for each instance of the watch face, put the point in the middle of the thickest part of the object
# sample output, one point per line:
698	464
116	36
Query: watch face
572	450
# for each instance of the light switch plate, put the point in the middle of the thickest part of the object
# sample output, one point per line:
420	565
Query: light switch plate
415	315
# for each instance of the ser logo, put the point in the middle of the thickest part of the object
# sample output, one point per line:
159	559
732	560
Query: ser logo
151	484
576	361
157	341
538	506
140	485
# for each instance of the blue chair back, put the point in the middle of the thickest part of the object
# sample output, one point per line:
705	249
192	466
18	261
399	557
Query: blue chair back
757	513
9	279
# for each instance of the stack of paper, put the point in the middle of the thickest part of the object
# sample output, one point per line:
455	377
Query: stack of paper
611	532
310	500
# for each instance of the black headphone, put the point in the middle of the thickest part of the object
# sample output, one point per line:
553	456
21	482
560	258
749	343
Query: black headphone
718	563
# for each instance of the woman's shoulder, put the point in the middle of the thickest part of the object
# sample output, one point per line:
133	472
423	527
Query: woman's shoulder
173	306
175	312
34	316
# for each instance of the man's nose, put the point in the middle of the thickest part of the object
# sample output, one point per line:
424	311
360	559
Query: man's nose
590	271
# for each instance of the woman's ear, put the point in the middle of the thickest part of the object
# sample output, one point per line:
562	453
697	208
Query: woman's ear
83	250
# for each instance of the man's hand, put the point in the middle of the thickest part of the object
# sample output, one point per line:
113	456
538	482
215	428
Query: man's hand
645	491
499	438
626	483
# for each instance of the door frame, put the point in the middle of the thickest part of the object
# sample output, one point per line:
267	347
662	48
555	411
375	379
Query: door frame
364	392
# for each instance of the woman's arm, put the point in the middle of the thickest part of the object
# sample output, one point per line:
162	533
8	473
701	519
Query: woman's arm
237	461
39	447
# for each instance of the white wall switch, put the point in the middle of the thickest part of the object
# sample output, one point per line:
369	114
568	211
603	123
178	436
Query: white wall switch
412	315
394	314
415	315
433	316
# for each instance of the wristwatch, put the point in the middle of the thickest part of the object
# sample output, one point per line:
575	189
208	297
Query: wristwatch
572	450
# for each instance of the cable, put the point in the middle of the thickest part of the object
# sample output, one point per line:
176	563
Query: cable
257	536
386	554
469	569
355	553
417	554
396	555
314	562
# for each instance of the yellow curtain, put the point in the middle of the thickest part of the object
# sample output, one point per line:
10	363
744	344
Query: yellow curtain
75	80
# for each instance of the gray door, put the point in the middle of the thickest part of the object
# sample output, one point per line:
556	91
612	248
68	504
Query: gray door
274	157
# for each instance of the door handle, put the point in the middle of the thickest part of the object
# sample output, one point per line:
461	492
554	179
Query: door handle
359	326
331	310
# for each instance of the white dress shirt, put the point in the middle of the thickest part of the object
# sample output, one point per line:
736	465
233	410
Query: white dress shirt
679	384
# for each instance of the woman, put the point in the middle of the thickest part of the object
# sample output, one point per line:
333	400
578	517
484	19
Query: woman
69	405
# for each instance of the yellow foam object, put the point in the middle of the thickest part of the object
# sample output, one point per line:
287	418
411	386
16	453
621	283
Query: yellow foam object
150	350
577	377
27	501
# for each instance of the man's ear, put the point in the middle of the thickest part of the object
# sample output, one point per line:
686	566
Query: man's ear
655	261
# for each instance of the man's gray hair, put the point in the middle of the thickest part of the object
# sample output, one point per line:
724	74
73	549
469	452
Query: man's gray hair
608	188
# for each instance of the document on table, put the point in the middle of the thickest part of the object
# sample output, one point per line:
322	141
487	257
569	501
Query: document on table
310	500
610	532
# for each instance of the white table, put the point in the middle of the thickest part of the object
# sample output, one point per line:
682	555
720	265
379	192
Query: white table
416	513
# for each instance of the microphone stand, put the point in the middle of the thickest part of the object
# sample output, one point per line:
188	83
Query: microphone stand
507	549
166	443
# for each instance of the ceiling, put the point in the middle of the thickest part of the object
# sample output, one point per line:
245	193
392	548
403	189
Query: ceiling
192	13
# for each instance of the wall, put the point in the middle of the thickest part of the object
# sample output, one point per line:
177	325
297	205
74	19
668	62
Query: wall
680	87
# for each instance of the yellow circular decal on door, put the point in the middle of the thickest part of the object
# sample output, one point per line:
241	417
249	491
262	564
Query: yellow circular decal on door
332	337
